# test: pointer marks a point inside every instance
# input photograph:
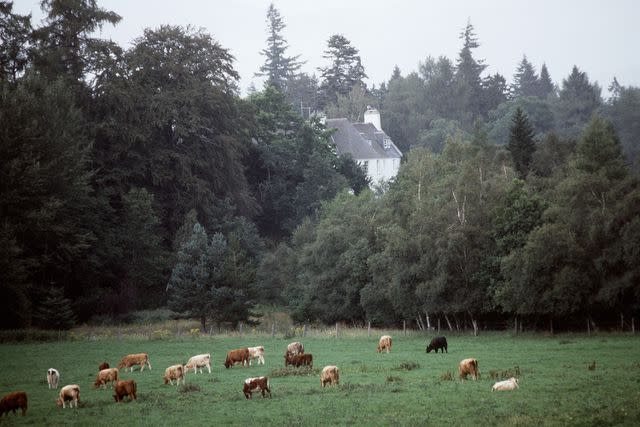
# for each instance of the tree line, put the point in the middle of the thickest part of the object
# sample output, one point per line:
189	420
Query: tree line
138	178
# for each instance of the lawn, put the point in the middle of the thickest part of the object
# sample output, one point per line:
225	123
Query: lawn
407	386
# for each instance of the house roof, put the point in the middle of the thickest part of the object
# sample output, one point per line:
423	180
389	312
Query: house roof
361	140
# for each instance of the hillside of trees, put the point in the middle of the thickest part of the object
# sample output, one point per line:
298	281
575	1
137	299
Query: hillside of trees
140	178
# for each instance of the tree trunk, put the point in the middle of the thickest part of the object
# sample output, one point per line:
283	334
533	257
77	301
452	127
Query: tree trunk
621	322
337	331
304	330
203	324
551	325
588	327
438	324
273	330
404	327
369	329
515	325
633	325
428	321
448	322
475	327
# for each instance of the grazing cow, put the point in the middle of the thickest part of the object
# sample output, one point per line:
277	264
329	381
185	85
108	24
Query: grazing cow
69	392
298	360
252	385
240	355
295	348
174	372
468	367
13	401
199	361
53	376
256	353
438	343
106	376
132	360
103	365
330	374
125	388
384	344
510	384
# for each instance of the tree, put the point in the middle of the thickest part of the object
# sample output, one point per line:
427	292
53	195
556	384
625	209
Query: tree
54	311
546	87
525	80
623	109
521	144
538	112
278	68
577	101
345	70
467	77
15	42
352	105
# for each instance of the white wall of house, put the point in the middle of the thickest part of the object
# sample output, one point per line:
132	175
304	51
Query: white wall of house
380	169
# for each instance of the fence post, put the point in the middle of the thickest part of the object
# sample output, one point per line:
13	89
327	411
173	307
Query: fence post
337	330
369	329
438	324
588	327
273	329
240	327
633	325
304	330
404	327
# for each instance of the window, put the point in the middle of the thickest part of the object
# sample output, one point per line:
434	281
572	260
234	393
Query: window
387	143
365	166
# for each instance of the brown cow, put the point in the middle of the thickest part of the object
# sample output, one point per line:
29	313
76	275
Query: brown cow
69	392
468	367
330	375
384	344
294	348
103	365
240	355
254	384
13	401
175	372
106	376
125	388
132	360
298	360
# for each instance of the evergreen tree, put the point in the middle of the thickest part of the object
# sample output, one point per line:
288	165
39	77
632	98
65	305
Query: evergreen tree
525	80
278	68
546	87
15	42
468	80
345	70
495	91
521	144
55	311
577	101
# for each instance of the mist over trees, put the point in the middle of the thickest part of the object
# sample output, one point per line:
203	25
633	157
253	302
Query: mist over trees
135	178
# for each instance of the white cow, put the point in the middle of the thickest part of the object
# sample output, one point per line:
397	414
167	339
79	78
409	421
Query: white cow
69	392
510	384
53	376
256	353
198	361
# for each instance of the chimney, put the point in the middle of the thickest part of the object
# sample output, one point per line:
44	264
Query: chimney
372	116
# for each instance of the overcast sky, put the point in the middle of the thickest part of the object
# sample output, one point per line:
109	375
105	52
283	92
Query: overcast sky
600	37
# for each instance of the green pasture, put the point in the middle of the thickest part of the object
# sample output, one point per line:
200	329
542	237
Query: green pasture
405	387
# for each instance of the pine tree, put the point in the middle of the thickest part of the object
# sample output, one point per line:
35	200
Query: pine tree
278	68
345	71
577	101
546	87
521	144
525	80
468	80
55	311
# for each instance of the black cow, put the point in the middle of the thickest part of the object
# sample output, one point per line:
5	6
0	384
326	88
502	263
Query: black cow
438	343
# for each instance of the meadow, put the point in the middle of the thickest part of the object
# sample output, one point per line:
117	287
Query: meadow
406	386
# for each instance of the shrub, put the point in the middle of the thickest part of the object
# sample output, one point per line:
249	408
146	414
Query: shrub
408	366
189	388
392	379
447	376
291	371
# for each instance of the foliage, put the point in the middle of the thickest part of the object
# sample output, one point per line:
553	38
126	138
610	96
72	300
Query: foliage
54	311
521	144
344	71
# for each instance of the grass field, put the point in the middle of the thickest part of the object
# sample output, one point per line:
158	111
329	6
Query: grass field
404	387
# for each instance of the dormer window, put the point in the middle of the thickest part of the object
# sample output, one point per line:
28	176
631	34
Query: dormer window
387	143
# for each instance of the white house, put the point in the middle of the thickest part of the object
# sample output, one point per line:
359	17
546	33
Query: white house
368	145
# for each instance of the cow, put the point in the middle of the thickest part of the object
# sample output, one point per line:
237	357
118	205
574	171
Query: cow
132	360
330	375
69	392
103	365
106	376
125	388
510	384
256	353
384	344
298	360
174	372
438	343
199	361
53	376
468	367
252	385
13	401
240	355
295	348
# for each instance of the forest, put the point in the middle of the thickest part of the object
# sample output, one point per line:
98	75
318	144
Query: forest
137	178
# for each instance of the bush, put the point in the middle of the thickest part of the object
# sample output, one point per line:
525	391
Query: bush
189	388
447	376
290	371
408	366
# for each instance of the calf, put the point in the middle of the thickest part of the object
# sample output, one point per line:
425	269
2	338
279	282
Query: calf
240	355
298	360
132	360
295	348
125	388
175	372
53	376
69	392
103	365
199	361
510	384
468	367
252	385
13	401
438	343
256	353
106	376
330	374
384	344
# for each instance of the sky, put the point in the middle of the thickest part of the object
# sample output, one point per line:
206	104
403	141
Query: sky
600	37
